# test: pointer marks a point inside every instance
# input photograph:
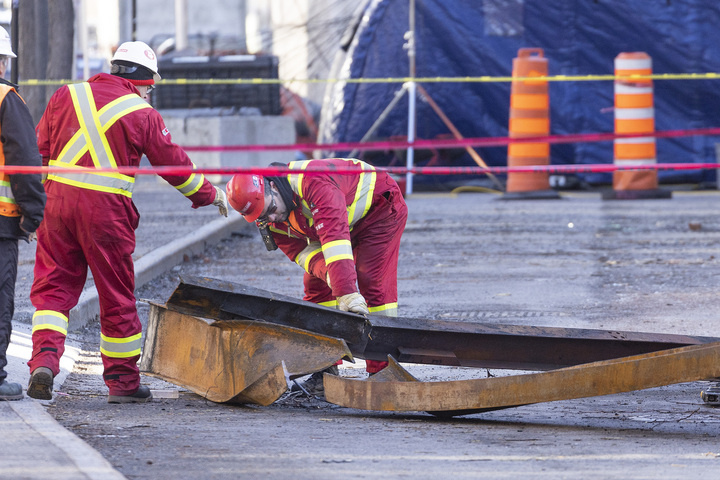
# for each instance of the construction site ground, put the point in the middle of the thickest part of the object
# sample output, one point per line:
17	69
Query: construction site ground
580	261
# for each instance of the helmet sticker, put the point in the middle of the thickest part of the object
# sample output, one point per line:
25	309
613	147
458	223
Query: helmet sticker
246	208
256	181
149	54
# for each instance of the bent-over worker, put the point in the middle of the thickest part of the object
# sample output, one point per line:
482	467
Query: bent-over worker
344	229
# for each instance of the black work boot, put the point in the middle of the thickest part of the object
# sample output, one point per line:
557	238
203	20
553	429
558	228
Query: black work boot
314	385
142	395
10	391
41	384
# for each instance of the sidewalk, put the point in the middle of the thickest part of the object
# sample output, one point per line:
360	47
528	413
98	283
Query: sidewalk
35	445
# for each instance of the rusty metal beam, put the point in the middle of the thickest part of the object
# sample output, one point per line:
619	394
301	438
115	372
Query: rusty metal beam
217	299
399	393
416	340
238	361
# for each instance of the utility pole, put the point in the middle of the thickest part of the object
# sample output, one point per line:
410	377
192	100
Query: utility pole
181	25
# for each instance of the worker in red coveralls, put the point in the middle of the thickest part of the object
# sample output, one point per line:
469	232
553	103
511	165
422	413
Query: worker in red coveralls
90	217
343	229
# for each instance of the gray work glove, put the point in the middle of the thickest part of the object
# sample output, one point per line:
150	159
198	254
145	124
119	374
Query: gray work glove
221	201
353	303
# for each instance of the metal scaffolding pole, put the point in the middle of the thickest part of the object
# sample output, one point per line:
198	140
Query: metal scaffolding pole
412	97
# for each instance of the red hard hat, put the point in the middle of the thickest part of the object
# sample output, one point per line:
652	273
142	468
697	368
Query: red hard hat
246	194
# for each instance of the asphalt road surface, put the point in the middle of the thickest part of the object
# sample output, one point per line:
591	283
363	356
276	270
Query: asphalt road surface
641	265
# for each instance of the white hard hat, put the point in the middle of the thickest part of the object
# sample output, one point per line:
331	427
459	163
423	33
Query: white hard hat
5	47
139	53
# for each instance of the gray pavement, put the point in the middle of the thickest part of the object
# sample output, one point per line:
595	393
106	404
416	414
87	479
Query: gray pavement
35	446
578	262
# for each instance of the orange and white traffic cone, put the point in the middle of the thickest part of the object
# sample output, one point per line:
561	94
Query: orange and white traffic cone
634	114
529	117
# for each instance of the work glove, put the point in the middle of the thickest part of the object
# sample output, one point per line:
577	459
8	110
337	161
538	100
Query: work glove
221	201
354	303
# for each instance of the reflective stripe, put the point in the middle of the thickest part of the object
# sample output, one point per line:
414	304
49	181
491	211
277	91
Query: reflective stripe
87	115
387	310
363	195
304	257
296	179
337	250
634	113
49	320
6	194
120	347
363	192
109	114
192	184
86	178
633	63
91	138
635	140
622	89
329	303
635	161
307	212
8	205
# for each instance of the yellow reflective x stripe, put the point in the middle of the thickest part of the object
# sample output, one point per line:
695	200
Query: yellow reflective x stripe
304	257
120	347
337	250
192	184
387	310
49	320
363	194
108	115
91	138
90	127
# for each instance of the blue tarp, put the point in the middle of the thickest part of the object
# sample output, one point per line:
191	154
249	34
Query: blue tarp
458	38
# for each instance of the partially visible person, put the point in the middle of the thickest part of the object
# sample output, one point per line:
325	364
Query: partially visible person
22	200
90	219
343	229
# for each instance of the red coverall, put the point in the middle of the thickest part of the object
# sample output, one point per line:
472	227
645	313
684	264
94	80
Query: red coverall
90	219
345	230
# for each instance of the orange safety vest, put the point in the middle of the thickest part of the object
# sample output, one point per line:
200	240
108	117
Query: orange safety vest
8	206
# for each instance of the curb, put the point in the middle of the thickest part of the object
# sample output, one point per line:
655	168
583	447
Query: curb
88	461
159	261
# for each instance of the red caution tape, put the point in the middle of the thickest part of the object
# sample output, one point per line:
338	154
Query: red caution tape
451	143
418	144
273	171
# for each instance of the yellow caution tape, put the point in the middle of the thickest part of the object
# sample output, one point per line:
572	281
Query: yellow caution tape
482	79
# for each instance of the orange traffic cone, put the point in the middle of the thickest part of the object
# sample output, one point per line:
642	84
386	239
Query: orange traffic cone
529	117
634	113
